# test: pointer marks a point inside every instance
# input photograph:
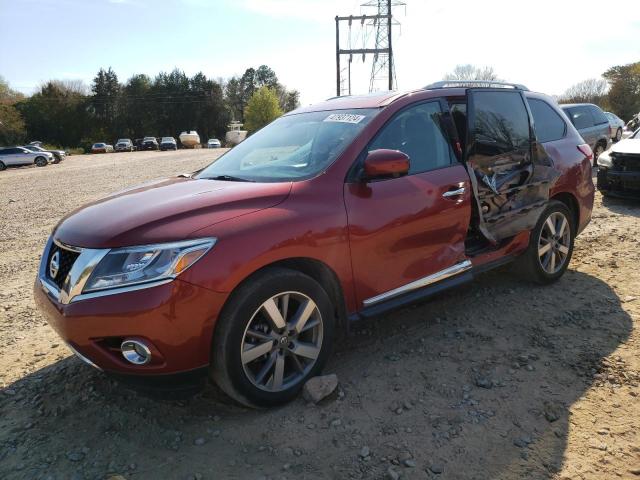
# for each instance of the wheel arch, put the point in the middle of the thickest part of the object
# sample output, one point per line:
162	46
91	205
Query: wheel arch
316	269
571	203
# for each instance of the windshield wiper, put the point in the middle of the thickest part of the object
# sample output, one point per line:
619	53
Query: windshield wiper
229	178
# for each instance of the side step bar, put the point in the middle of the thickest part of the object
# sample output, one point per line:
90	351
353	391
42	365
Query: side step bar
420	283
423	288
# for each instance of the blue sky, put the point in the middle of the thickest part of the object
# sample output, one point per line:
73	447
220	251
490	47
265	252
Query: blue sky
557	43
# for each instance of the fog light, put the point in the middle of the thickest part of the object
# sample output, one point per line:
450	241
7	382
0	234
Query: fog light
135	352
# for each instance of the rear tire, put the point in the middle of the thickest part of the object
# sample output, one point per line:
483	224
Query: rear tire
550	246
597	152
41	162
288	319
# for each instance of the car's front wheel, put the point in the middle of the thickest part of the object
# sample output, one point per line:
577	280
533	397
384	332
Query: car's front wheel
275	333
550	245
618	134
41	162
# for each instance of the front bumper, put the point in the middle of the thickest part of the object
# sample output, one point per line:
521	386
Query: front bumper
619	183
175	319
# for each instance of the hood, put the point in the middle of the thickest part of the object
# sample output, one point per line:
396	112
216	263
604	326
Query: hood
629	145
164	211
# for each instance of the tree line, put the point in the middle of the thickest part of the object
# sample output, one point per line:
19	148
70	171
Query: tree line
69	114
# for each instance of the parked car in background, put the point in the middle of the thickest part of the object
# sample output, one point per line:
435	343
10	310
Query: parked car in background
10	156
213	143
592	124
168	143
137	144
149	143
101	148
616	126
619	168
58	155
244	271
124	145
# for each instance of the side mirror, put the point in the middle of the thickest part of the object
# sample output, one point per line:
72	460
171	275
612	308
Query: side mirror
386	163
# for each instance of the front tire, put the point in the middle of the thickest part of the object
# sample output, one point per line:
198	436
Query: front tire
41	162
275	333
550	245
618	134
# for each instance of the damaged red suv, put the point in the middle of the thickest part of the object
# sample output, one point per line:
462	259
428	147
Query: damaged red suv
245	270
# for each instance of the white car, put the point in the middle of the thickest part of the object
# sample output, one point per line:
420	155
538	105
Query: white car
619	168
21	156
213	143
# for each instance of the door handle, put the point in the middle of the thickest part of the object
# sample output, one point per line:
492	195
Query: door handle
453	193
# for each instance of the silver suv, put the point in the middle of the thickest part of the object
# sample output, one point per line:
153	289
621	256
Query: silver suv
21	156
592	124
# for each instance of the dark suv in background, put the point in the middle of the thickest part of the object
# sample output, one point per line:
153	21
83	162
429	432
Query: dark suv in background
592	124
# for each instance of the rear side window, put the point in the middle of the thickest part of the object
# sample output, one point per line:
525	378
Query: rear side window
598	115
10	151
416	131
501	122
580	116
548	124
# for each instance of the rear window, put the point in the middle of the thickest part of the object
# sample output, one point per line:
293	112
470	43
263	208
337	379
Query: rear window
598	115
549	126
580	116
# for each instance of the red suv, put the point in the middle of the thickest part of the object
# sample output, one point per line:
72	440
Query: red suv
245	270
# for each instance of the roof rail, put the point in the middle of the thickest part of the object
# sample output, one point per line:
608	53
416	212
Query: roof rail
474	83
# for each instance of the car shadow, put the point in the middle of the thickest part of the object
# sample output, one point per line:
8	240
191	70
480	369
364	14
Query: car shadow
622	206
476	383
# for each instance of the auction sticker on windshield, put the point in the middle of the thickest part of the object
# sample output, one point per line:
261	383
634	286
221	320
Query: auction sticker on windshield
344	118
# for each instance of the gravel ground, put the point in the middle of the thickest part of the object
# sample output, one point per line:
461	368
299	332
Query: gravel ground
498	379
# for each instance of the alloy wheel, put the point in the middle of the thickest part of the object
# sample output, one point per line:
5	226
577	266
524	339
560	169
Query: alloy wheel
282	341
554	243
618	134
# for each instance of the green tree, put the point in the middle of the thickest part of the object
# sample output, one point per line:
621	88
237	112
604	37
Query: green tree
263	108
624	94
58	113
12	127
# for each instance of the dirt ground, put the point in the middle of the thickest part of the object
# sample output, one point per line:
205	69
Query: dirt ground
499	379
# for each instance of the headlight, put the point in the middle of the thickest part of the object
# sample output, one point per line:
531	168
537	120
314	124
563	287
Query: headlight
604	160
125	266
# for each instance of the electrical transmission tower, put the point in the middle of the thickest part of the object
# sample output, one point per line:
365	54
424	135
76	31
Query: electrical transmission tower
379	23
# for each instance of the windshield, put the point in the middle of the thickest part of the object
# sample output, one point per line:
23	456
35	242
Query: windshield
98	144
149	139
168	139
124	140
293	147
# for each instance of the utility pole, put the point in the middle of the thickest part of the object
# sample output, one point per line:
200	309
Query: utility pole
383	65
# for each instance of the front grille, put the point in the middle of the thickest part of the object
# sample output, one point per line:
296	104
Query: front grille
626	162
66	260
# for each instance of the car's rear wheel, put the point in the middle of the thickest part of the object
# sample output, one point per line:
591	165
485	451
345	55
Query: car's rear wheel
274	334
618	134
2	166
550	245
597	152
40	162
